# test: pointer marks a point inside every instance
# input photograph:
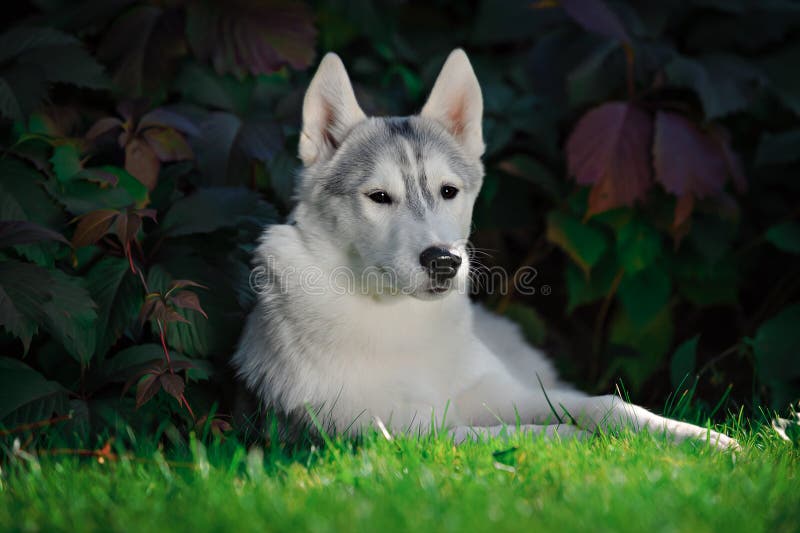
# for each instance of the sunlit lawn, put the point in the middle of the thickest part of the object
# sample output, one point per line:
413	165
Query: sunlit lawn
610	483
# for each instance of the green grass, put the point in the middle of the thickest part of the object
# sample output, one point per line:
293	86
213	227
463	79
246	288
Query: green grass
610	483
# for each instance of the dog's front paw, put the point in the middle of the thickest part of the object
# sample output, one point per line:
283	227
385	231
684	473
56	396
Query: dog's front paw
682	431
723	442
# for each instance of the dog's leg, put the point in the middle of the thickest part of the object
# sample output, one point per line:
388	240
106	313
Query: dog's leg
475	433
611	412
500	397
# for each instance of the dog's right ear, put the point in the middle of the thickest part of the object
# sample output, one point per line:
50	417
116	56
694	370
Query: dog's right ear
330	111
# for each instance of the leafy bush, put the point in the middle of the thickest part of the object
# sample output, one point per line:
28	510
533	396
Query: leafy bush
642	156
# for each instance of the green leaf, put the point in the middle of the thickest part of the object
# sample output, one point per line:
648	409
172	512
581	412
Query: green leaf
227	143
68	64
638	246
775	347
583	243
52	300
597	77
785	81
651	340
683	361
584	289
24	288
25	391
533	327
119	296
724	83
81	196
778	149
531	170
22	197
66	161
71	316
212	208
24	38
785	237
645	294
128	362
9	105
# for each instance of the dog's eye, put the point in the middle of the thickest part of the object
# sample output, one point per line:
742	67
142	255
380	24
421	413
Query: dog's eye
380	197
449	192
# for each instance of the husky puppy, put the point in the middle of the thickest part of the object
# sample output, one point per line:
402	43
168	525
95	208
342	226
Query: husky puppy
362	312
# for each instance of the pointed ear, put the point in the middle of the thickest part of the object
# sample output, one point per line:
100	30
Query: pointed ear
330	111
456	102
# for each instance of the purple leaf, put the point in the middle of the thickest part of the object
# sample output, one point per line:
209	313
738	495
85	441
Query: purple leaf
164	118
188	300
146	389
595	16
173	385
241	36
687	160
103	126
609	148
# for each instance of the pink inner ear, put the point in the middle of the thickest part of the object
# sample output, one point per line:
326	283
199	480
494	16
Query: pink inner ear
456	117
327	127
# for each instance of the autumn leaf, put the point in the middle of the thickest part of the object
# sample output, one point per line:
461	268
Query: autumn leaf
609	148
93	226
173	385
690	163
245	36
188	300
146	389
149	138
142	162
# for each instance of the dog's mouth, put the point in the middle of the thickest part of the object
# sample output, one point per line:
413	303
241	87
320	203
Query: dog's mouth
438	290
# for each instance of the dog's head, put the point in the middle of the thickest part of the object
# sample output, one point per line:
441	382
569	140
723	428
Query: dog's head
396	193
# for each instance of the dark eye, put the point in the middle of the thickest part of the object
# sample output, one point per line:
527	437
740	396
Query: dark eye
380	197
449	192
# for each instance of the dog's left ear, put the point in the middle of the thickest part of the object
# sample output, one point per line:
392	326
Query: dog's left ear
456	103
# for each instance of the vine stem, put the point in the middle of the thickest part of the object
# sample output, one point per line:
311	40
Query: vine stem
35	425
629	74
162	336
601	316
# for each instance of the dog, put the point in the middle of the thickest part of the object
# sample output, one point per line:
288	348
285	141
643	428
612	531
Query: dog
363	316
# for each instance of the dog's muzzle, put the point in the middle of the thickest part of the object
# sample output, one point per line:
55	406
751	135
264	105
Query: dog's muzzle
440	263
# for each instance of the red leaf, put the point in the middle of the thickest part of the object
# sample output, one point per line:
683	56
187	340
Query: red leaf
93	226
103	126
146	389
242	36
610	148
687	161
142	162
151	302
173	385
188	300
126	226
168	144
595	16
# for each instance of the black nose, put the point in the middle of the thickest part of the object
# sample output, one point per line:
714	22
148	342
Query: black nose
441	264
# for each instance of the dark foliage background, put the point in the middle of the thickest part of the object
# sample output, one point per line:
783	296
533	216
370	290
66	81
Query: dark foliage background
642	156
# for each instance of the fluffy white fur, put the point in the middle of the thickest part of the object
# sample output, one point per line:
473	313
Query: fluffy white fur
406	359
